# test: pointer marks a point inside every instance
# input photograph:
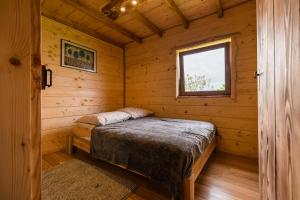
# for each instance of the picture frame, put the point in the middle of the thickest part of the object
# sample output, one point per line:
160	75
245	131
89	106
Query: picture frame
78	57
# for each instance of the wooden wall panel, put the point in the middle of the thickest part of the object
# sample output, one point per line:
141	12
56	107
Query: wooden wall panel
75	93
20	166
151	78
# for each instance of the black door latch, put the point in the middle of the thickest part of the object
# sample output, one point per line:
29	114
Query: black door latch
45	81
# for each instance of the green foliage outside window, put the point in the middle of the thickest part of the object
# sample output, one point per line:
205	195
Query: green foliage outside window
200	83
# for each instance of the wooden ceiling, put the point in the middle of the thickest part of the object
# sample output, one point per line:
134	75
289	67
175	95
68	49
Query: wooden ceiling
149	17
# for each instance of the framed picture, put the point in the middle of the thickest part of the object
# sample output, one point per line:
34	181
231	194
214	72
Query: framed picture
78	57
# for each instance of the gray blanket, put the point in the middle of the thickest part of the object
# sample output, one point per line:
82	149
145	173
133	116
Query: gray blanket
161	149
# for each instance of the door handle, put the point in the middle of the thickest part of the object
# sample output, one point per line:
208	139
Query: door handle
257	74
45	82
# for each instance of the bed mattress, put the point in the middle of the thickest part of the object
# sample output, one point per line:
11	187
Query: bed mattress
159	148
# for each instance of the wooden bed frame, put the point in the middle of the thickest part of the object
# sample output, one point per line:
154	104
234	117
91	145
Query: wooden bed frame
189	182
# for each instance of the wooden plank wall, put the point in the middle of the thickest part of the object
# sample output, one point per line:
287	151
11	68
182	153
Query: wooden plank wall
279	86
75	93
151	78
20	168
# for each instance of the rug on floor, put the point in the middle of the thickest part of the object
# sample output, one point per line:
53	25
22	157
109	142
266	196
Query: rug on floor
77	180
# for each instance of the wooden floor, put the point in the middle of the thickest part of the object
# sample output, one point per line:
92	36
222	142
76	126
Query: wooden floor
225	177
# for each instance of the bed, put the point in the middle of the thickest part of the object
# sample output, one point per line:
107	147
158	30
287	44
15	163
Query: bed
170	151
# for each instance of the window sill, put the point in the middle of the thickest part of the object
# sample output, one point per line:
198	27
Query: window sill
204	96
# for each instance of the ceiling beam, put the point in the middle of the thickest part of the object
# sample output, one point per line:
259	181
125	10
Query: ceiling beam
220	8
178	12
108	22
147	22
90	32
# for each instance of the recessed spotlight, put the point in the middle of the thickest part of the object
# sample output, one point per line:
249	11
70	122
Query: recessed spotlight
134	2
123	9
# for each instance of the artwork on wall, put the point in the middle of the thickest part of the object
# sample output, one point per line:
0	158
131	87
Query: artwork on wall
78	57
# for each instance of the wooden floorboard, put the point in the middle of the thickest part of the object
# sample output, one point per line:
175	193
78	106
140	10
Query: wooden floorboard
224	177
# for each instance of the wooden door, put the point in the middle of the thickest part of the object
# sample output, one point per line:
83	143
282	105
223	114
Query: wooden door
287	86
266	98
278	24
20	163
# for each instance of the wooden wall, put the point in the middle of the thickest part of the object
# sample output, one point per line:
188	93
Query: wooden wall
20	168
151	78
75	93
279	105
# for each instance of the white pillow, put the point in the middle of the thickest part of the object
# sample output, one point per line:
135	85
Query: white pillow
112	117
137	112
89	119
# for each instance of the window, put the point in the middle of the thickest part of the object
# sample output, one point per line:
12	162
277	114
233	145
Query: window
205	71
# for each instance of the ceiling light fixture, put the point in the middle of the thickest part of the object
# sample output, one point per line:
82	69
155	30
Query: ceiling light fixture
134	2
123	9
